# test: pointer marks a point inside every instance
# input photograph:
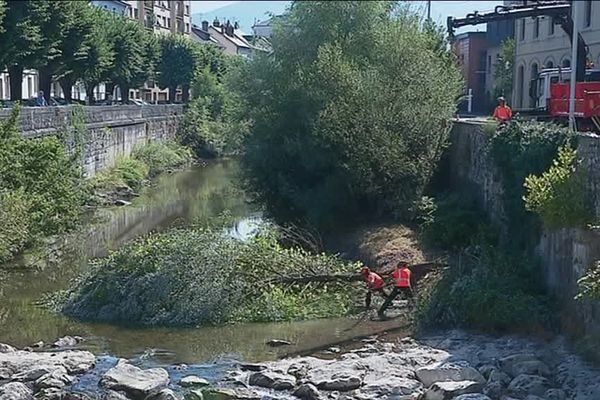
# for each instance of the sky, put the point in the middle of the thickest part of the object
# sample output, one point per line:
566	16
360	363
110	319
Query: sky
439	9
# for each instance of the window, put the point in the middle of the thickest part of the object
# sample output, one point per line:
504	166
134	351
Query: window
520	77
168	22
187	9
522	36
536	28
135	13
29	86
566	63
187	27
551	26
164	21
587	16
549	64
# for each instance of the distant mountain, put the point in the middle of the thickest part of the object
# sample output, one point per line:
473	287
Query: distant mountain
244	12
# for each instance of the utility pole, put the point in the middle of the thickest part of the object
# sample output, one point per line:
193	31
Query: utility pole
575	14
428	10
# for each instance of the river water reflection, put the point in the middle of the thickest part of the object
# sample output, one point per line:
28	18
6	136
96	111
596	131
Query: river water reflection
181	198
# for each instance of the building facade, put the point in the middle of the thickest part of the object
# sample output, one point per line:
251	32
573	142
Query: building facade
542	44
497	33
471	51
116	6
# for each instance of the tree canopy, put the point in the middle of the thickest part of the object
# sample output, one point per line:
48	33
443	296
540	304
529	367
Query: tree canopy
349	111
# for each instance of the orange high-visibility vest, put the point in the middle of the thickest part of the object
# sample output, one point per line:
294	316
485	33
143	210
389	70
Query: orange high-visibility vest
402	277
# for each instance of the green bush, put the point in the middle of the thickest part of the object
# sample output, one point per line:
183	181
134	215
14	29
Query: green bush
15	223
187	277
558	196
519	150
455	223
50	178
349	112
161	157
126	172
493	291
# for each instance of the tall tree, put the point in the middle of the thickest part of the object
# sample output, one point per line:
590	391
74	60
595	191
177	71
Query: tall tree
22	41
2	14
128	45
349	112
96	67
504	69
179	58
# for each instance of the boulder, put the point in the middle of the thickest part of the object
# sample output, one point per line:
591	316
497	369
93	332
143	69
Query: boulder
51	394
307	391
499	376
15	391
472	396
524	384
486	370
391	386
5	374
33	373
58	378
278	343
112	395
229	394
449	371
507	363
532	397
298	370
493	390
272	380
448	390
341	381
193	381
254	367
75	362
531	367
135	382
555	394
165	394
5	348
67	341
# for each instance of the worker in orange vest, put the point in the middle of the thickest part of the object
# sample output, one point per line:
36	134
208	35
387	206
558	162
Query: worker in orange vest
502	113
375	283
401	276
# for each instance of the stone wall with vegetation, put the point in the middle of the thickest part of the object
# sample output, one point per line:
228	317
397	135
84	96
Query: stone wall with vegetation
112	131
565	254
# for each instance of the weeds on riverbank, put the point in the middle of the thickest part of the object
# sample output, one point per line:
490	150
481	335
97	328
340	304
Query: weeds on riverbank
41	188
188	277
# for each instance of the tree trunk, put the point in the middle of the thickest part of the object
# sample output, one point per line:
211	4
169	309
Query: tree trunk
15	74
124	93
110	90
172	94
45	82
185	93
66	84
89	94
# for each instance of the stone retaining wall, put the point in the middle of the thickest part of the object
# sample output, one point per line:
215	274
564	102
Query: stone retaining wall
112	131
565	254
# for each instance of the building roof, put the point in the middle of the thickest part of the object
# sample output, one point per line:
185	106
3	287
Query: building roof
203	36
236	39
467	35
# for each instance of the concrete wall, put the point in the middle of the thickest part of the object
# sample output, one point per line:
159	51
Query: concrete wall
112	131
565	254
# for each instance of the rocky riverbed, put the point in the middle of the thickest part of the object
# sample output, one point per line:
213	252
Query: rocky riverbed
452	365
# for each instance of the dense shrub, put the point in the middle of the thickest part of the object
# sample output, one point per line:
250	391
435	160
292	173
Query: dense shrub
187	277
15	223
559	196
48	175
348	112
491	291
519	150
161	157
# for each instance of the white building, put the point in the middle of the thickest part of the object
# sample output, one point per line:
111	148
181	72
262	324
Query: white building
263	28
541	44
29	85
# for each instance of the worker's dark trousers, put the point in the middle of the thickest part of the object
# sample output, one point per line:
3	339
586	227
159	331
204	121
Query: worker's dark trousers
406	292
369	294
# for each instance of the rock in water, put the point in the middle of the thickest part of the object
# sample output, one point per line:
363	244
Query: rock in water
134	381
524	384
5	348
112	395
15	391
278	343
165	394
272	380
340	382
472	396
193	381
450	371
252	367
450	389
307	391
67	341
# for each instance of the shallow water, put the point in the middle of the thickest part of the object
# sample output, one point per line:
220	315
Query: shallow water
181	198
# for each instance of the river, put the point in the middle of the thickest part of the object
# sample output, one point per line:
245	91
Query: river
182	198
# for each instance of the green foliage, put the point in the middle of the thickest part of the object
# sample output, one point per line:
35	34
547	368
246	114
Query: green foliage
589	284
214	123
162	157
126	172
454	223
504	69
179	59
493	291
348	112
187	277
48	176
558	196
519	150
14	223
